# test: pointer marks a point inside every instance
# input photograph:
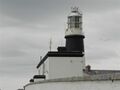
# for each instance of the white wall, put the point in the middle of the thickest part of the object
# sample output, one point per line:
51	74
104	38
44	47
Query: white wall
79	85
61	67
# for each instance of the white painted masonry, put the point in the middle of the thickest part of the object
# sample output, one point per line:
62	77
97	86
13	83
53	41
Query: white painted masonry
61	67
78	85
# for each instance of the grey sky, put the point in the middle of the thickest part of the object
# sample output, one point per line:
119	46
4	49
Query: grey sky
27	25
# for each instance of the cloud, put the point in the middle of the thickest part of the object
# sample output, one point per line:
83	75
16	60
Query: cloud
102	39
37	10
27	25
29	11
11	53
96	53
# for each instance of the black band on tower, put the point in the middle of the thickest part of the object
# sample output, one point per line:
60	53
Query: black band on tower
75	43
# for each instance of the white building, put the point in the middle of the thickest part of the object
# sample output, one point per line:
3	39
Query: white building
65	69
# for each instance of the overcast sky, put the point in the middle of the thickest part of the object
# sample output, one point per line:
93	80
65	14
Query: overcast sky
26	27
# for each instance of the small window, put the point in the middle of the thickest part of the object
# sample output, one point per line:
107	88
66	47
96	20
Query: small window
74	22
77	25
72	19
77	19
72	25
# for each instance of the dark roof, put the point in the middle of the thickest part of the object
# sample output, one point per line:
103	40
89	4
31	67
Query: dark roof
31	80
59	54
99	72
39	76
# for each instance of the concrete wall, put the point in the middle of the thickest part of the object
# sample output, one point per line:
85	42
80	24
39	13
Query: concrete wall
61	67
79	85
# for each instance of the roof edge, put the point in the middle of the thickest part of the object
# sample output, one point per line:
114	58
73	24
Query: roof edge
59	54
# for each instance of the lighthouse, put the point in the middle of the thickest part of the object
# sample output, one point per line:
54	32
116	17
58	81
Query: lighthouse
74	35
69	60
65	69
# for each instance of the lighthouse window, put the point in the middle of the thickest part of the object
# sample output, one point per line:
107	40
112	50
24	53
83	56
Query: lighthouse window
72	25
77	19
76	25
74	22
72	19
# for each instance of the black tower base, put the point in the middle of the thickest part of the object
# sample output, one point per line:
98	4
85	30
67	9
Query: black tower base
75	43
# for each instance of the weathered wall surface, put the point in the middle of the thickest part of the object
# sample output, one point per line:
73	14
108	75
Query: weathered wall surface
61	67
78	85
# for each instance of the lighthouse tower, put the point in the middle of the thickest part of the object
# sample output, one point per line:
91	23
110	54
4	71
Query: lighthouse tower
68	61
74	34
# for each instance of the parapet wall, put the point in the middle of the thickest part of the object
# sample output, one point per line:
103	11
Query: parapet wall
76	83
81	85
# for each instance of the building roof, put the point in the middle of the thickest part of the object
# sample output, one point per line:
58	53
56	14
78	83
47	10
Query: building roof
59	54
101	72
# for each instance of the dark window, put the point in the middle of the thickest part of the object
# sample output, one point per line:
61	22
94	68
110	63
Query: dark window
77	19
72	19
74	22
72	25
77	25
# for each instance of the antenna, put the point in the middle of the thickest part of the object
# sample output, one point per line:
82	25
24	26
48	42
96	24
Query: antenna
50	46
43	67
